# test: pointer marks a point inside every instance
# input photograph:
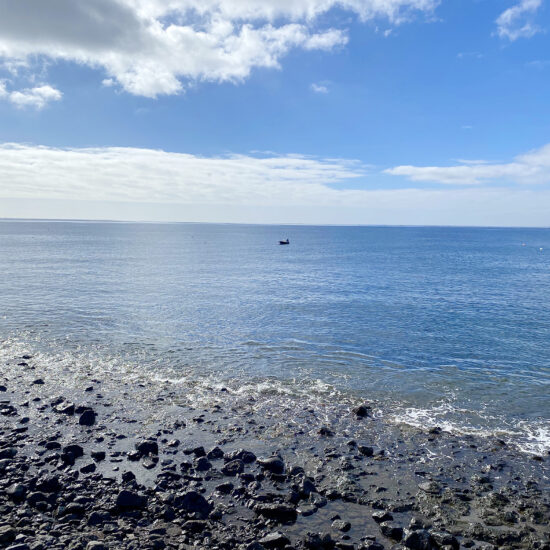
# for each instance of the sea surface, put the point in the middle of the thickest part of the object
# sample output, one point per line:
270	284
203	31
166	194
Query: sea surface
444	327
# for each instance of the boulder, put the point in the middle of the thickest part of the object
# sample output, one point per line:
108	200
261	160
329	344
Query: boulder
130	500
419	539
191	501
246	456
274	540
87	418
279	512
147	446
233	468
273	464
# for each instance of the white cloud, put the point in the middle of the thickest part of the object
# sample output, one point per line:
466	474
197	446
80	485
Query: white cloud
319	88
37	97
127	183
153	47
530	168
128	174
517	21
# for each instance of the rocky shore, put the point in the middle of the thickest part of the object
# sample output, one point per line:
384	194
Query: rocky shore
95	462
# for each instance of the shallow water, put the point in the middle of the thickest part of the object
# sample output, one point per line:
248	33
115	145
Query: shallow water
446	326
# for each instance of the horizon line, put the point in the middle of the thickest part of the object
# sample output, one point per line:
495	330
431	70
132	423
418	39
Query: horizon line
294	224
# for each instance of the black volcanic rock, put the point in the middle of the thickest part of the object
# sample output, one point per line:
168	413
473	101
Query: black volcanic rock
273	464
130	499
87	418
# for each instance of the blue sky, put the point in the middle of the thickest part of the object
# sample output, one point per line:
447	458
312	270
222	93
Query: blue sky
313	111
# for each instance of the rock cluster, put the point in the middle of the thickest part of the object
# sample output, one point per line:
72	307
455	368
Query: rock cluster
83	477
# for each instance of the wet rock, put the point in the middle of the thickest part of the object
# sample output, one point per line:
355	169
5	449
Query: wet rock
365	450
149	463
98	456
147	447
305	487
128	476
246	456
341	525
191	501
38	382
202	464
391	530
65	408
76	450
417	540
442	539
478	479
371	545
381	516
16	491
430	487
225	488
307	510
215	454
173	443
273	464
279	512
88	468
34	498
9	453
318	541
98	518
362	410
317	500
7	534
130	500
275	540
233	468
194	526
87	418
3	388
74	508
49	484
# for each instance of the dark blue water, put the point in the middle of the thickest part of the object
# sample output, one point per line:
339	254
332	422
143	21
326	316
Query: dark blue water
441	325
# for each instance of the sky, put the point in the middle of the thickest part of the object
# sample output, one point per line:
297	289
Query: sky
402	112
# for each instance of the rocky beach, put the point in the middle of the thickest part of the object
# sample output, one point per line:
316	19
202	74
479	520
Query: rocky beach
91	461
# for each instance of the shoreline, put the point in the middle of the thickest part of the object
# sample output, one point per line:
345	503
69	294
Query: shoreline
174	473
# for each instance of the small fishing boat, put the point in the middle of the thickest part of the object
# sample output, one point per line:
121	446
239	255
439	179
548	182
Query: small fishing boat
284	242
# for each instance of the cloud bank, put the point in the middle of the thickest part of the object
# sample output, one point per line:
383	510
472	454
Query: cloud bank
145	184
531	168
154	47
146	175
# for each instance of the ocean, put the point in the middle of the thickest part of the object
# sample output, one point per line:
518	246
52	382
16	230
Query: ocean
438	326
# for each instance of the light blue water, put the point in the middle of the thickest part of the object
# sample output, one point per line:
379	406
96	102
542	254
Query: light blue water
440	325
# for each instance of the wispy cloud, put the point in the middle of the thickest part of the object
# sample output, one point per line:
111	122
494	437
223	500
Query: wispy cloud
36	98
530	168
154	47
469	55
319	88
518	21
